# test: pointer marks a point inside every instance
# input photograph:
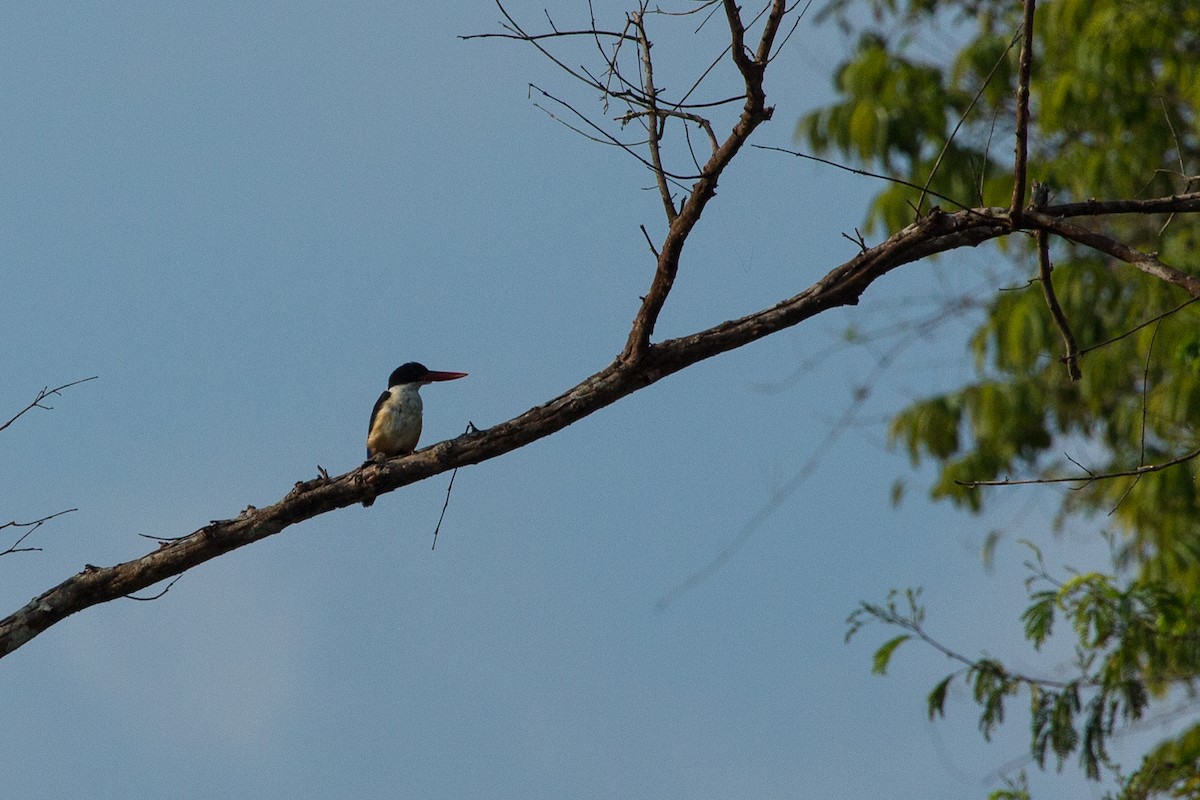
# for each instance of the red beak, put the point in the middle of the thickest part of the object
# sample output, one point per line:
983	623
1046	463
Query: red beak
443	376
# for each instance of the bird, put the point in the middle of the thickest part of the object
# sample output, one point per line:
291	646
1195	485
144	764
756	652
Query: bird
396	418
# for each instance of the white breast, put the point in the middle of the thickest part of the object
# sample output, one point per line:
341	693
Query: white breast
397	426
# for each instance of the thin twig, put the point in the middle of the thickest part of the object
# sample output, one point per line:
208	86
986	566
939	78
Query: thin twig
155	596
605	136
1090	477
437	528
554	34
1179	151
15	547
987	155
867	174
649	241
962	119
1146	388
1139	326
1145	409
42	395
792	30
655	124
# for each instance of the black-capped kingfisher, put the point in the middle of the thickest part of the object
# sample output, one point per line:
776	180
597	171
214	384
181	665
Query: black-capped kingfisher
396	419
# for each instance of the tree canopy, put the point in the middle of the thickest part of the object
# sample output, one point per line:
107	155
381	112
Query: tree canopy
1114	95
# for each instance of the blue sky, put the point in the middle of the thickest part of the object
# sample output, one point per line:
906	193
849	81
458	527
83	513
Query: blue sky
242	217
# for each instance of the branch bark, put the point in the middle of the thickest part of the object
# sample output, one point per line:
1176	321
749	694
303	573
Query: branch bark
1146	262
935	233
754	112
1024	72
1045	274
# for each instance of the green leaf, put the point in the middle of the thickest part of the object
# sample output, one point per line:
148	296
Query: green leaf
884	654
937	697
1039	617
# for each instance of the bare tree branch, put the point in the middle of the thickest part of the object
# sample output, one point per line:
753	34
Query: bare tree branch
754	113
1156	318
638	365
925	190
33	525
1090	477
1045	270
1020	167
700	121
1176	203
1146	262
156	595
42	395
934	233
654	124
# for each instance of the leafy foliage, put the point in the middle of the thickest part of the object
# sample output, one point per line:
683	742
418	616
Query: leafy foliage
1116	95
1115	113
1134	641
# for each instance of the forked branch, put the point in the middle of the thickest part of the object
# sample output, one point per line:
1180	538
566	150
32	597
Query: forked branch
39	401
755	111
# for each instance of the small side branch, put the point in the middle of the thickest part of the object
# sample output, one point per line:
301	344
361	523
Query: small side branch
42	395
654	122
1090	477
33	525
1146	262
754	113
925	190
437	528
1152	321
156	595
1173	204
701	122
937	163
1045	268
1022	147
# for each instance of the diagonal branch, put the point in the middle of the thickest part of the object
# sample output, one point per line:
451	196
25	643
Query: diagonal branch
33	526
1090	477
654	123
42	394
1045	270
1176	203
962	118
755	111
843	285
1152	321
1146	262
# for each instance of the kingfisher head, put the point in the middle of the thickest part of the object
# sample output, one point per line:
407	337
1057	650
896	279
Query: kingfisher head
418	374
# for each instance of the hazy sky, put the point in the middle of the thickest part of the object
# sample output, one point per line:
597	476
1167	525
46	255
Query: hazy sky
242	217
